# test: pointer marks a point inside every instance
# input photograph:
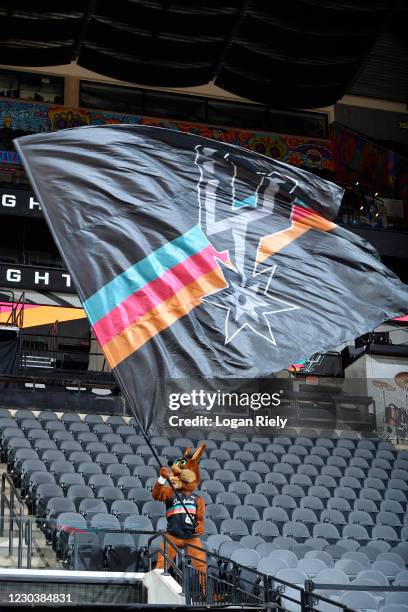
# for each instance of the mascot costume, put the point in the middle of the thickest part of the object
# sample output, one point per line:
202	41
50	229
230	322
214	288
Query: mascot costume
183	528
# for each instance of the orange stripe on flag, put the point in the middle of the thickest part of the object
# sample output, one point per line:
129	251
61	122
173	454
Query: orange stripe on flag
162	316
302	221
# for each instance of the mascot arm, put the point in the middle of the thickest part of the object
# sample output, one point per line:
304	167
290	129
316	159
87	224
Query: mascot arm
200	524
160	492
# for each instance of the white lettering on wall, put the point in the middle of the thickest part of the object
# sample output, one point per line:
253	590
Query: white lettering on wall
32	204
67	279
41	277
8	200
13	276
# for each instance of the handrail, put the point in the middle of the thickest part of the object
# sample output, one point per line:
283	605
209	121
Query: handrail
14	495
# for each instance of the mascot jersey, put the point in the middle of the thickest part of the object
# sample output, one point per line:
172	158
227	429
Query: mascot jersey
179	524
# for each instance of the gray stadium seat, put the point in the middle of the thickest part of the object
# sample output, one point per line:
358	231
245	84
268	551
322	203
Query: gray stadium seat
384	532
125	483
97	481
132	461
309	470
311	567
265	529
234	528
248	514
79	492
323	480
345	493
321	451
302	480
239	488
68	479
388	518
271	566
286	555
360	517
312	502
267	489
257	500
294	491
296	530
213	487
284	501
87	469
109	494
372	494
259	466
251	478
333	576
356	532
246	556
359	600
401	579
76	457
394	557
378	577
217	512
250	541
323	556
388	568
335	517
351	567
276	479
326	531
336	551
320	492
228	547
88	507
277	515
293	576
268	458
214	542
305	515
122	508
69	446
103	522
116	470
349	545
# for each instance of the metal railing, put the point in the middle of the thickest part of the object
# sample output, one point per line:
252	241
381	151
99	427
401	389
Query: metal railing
222	583
16	316
15	519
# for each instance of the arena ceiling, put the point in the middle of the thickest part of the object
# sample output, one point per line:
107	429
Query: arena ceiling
291	54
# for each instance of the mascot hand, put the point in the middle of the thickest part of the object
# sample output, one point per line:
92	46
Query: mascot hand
164	472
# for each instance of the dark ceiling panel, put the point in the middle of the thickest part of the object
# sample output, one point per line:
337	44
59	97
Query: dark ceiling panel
297	53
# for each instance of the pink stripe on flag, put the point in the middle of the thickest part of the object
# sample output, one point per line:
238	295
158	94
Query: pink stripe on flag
299	213
156	292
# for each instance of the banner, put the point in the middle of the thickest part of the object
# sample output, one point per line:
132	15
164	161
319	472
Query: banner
18	202
199	260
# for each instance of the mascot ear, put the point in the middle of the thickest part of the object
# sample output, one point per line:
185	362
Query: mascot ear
197	455
187	453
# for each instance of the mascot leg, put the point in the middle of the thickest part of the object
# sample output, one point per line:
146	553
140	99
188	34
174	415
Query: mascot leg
198	555
171	551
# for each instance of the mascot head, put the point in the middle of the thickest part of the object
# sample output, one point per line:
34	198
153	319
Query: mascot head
185	473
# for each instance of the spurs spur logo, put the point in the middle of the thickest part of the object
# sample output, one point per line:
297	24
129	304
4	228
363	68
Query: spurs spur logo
236	206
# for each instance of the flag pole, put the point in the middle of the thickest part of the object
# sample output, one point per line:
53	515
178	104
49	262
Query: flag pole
156	456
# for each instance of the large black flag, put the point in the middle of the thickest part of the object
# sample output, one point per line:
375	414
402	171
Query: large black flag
199	259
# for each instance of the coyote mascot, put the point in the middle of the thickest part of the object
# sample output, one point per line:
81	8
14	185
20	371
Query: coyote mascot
184	475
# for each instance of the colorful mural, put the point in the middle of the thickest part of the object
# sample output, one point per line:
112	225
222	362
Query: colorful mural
298	151
376	168
35	314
